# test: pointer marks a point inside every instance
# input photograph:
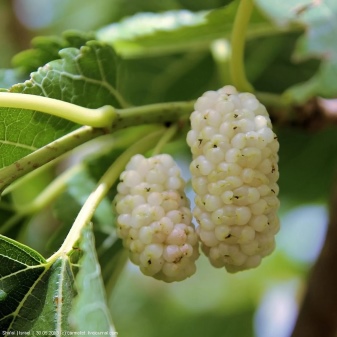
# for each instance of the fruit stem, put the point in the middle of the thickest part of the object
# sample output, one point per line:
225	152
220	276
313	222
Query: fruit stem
237	69
153	113
105	183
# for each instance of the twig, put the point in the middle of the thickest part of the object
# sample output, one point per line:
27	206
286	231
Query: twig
46	154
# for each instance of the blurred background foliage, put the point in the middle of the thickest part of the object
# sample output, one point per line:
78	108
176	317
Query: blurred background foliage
262	302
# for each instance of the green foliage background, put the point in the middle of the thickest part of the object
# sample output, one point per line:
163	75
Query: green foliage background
142	52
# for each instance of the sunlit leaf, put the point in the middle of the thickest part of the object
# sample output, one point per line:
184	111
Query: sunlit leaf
173	31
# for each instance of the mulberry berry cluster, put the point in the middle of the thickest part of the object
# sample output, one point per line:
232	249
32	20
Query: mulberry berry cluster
234	175
155	219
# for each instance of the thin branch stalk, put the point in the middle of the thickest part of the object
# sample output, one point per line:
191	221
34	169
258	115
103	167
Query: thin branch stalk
237	68
318	313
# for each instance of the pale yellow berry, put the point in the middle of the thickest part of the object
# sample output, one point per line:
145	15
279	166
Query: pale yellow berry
234	175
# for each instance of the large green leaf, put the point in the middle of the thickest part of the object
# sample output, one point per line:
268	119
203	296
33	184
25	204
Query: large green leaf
85	76
177	77
166	56
172	31
90	311
319	18
34	294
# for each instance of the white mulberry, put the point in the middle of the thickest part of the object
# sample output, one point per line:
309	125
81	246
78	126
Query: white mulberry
234	173
155	219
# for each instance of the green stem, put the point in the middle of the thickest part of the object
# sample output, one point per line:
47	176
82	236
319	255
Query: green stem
242	17
46	154
30	176
97	118
102	188
103	117
153	113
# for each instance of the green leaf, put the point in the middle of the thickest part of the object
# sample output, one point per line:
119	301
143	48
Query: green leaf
172	31
136	34
46	48
19	254
57	285
21	270
24	131
90	311
166	56
86	77
167	78
34	294
319	20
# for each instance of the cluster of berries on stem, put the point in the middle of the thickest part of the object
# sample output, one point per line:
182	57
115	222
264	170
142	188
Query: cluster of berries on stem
234	173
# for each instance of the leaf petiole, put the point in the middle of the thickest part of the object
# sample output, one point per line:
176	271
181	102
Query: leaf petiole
97	118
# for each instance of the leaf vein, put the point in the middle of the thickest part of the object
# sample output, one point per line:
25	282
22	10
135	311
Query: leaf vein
22	146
